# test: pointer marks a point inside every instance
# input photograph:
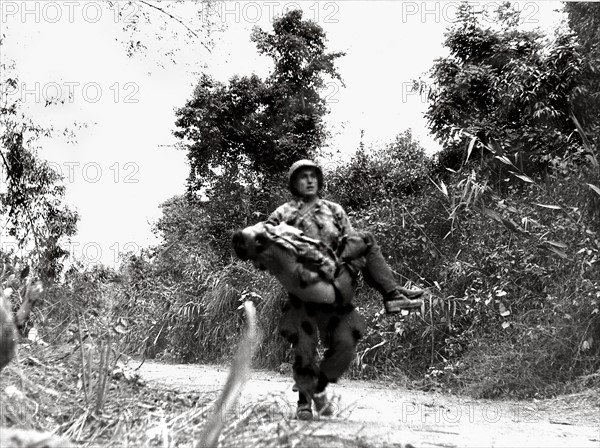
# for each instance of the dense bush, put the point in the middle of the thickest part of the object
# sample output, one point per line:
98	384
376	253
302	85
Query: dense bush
196	316
396	169
513	271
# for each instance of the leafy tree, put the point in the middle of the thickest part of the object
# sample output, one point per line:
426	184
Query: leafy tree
32	193
294	107
508	85
261	126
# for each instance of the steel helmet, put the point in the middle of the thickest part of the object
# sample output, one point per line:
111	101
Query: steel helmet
304	163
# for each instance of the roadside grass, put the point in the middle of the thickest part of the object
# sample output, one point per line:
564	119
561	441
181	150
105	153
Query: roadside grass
42	390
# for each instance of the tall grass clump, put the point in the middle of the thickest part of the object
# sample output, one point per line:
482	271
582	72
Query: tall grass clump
510	262
197	316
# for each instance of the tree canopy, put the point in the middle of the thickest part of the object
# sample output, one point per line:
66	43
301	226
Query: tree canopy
510	85
257	127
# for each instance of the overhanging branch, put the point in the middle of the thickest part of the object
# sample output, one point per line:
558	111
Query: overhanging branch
177	19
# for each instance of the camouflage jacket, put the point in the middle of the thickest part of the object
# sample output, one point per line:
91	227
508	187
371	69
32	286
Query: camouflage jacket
328	223
325	220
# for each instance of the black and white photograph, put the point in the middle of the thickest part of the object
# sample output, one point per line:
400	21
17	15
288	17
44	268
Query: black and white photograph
297	224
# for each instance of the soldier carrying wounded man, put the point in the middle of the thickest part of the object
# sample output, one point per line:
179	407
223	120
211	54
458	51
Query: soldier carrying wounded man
310	245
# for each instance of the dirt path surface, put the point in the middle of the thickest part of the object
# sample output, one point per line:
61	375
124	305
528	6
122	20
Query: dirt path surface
379	415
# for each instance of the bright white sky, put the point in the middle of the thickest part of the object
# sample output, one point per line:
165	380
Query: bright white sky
123	166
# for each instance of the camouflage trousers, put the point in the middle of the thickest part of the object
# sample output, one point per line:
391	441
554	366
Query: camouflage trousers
339	327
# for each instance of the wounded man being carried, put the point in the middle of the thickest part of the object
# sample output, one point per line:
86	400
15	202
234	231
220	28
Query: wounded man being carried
306	267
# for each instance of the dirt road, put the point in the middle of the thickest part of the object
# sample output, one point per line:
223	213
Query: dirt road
378	415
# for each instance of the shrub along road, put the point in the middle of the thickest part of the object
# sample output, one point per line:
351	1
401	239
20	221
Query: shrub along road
374	414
